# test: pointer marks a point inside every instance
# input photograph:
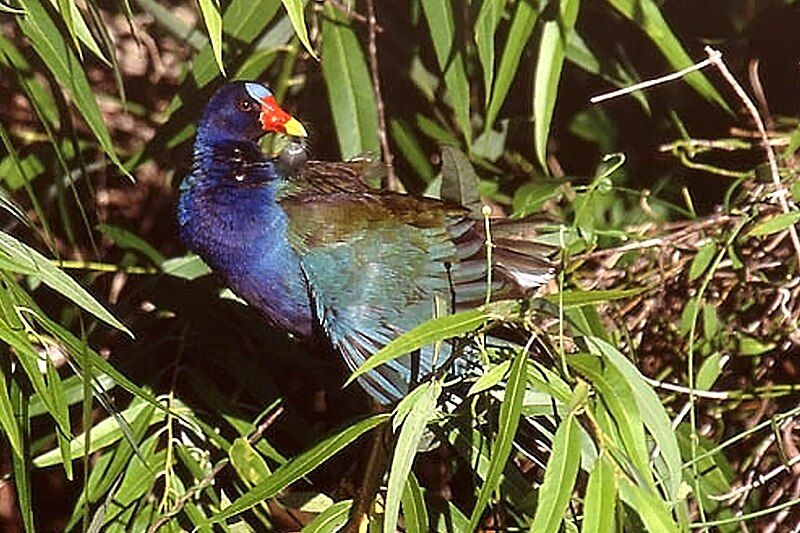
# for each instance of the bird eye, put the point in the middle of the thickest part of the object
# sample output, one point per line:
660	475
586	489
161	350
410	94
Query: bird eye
245	106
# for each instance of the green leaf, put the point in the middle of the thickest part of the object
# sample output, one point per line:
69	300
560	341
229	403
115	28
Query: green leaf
415	514
78	29
572	298
653	511
653	414
7	419
331	519
601	497
646	15
448	54
617	395
434	330
248	463
131	241
490	378
57	54
405	450
702	259
20	464
213	21
409	146
297	468
510	411
709	371
485	27
295	10
17	256
459	180
552	50
350	93
104	433
774	224
186	267
559	477
521	29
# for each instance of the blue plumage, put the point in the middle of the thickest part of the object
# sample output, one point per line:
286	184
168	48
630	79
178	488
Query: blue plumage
325	257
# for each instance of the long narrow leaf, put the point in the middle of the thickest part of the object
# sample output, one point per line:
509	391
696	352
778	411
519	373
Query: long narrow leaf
434	330
552	50
510	411
485	27
68	70
601	495
349	85
521	29
451	62
295	10
647	15
406	449
559	477
213	20
298	467
19	257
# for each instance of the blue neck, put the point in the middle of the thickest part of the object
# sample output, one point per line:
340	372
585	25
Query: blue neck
229	215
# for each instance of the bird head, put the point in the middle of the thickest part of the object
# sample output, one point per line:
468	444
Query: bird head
241	111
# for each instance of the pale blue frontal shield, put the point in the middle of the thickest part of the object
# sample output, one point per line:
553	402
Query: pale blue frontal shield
257	91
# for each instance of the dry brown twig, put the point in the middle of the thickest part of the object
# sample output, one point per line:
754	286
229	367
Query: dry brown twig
715	58
389	180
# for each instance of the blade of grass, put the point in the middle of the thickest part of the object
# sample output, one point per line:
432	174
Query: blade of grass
295	9
451	62
510	411
550	62
213	21
51	46
522	24
485	27
434	330
20	464
298	467
416	418
19	257
559	477
647	15
347	79
601	496
415	514
331	519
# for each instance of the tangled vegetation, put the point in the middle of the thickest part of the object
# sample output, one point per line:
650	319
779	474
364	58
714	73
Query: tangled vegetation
138	394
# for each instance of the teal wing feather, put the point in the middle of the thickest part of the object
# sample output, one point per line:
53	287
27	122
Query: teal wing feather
379	263
375	269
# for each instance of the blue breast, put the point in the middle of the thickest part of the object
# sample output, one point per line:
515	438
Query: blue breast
241	233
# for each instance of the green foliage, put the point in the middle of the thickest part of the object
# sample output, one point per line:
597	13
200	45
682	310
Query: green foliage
189	424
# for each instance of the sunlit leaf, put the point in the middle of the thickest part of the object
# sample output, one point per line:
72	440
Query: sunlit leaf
559	477
413	425
213	20
485	26
510	411
522	25
331	519
436	329
67	68
349	85
295	10
601	496
451	62
552	50
647	15
298	467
